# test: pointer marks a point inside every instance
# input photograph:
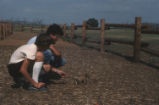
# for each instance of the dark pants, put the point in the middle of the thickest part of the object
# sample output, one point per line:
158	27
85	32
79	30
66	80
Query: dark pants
46	76
14	71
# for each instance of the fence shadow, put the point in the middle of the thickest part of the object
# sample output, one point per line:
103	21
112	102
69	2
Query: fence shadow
129	58
150	65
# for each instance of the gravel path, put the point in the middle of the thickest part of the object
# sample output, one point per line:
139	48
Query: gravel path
92	79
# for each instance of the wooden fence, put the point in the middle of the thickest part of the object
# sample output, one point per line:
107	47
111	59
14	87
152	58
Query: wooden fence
6	29
137	44
32	29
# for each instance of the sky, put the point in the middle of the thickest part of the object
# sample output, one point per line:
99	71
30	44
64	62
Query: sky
76	11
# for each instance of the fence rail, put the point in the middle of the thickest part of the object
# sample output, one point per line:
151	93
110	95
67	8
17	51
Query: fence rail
29	28
137	43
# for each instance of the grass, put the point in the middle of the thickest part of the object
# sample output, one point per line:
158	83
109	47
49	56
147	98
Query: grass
124	34
115	48
127	34
120	49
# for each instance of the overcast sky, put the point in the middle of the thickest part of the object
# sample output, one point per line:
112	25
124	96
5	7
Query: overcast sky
68	11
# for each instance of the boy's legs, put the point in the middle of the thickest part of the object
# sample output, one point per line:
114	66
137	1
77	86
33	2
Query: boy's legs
18	78
13	70
37	66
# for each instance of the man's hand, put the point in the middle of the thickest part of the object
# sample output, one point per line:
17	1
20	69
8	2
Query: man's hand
62	73
55	51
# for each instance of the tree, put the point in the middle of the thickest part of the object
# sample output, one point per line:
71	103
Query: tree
92	22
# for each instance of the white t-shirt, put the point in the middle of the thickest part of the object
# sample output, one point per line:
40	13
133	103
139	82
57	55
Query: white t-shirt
25	51
32	40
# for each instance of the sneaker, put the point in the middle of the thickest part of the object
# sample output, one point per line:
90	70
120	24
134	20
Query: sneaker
15	86
32	88
19	82
43	89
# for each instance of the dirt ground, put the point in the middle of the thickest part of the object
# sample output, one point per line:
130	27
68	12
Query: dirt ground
93	78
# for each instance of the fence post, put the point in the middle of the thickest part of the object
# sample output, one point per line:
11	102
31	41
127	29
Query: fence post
0	31
41	27
61	25
84	33
31	29
7	29
2	36
137	41
102	34
72	31
12	28
64	30
22	27
47	26
4	31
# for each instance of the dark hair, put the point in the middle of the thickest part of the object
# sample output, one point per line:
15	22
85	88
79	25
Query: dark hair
54	29
43	40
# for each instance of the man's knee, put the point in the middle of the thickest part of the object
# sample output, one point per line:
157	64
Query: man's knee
39	56
47	52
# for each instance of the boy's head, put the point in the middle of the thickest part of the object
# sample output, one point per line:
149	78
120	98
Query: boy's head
54	31
43	41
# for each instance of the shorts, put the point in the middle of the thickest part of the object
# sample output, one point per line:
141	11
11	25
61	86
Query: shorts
14	71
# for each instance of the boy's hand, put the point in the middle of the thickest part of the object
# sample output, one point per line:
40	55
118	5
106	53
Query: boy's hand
39	84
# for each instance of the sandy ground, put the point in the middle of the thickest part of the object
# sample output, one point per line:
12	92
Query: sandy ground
93	78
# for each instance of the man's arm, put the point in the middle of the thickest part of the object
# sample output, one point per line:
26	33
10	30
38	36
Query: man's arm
55	51
24	72
60	72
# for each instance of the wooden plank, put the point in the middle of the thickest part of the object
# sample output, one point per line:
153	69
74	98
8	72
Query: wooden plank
150	51
64	30
137	39
84	33
102	34
31	29
121	41
126	25
4	31
72	31
22	27
42	28
93	28
0	31
121	25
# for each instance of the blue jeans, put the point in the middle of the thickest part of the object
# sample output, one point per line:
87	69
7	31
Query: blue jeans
54	61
